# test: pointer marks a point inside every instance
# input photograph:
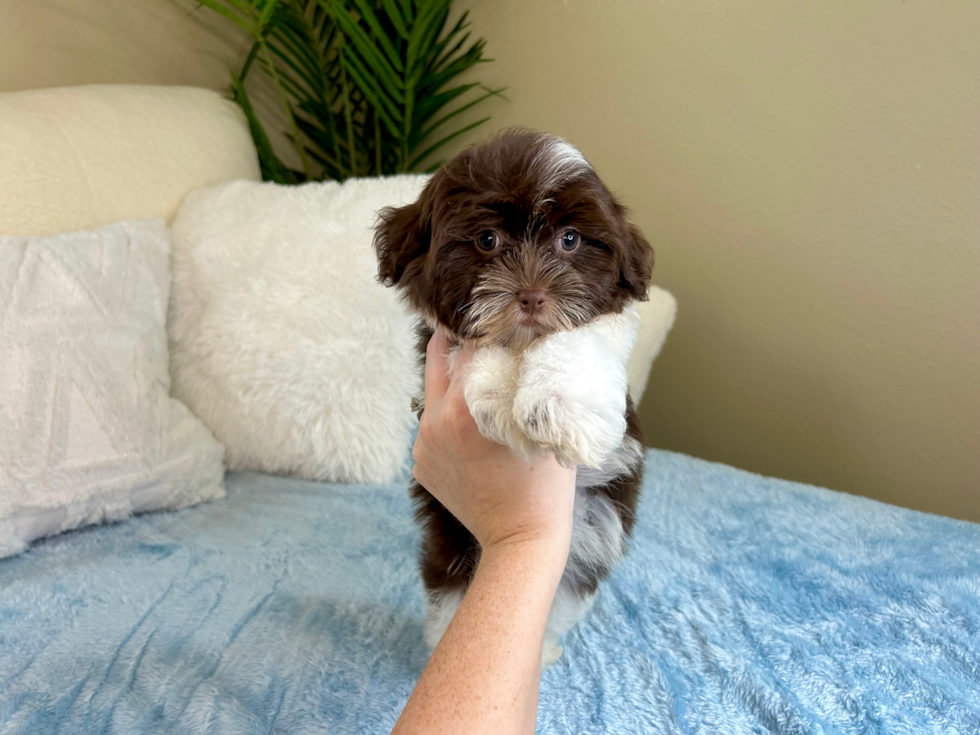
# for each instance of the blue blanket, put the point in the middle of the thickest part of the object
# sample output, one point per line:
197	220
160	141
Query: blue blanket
746	605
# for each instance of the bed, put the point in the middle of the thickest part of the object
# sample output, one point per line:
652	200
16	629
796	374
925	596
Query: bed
746	605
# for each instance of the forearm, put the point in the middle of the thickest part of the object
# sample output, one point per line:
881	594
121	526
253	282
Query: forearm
484	675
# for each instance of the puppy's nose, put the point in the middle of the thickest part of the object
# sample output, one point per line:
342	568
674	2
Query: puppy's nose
532	300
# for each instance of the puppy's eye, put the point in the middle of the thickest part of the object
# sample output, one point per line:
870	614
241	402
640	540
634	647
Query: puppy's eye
569	240
487	241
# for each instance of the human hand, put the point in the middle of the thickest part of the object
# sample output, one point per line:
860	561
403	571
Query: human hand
501	499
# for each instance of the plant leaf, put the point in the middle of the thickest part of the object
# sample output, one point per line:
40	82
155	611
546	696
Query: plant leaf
367	87
376	94
395	16
267	11
459	110
440	143
435	82
438	101
230	15
372	20
428	22
362	42
272	168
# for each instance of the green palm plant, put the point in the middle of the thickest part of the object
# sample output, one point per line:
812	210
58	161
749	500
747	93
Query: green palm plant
366	87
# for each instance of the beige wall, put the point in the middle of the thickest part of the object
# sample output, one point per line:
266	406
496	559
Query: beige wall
809	174
53	43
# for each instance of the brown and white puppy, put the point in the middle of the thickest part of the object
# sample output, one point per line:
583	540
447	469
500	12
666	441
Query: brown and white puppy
517	245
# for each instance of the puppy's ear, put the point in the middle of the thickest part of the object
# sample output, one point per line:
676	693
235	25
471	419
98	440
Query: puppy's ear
401	235
636	265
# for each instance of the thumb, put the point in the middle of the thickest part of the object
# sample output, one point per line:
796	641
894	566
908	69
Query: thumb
436	366
463	361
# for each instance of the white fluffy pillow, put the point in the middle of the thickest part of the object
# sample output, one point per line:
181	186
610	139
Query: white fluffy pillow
281	339
88	431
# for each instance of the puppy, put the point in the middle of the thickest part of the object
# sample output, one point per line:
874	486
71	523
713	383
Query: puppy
518	246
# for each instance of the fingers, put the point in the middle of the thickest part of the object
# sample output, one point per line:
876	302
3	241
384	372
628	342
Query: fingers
455	408
465	356
455	389
443	393
436	367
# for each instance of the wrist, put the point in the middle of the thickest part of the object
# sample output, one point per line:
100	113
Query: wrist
542	558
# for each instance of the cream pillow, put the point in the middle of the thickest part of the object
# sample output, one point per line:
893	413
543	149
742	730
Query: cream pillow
75	158
88	431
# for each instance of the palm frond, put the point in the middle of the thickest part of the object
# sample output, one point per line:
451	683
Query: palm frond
365	87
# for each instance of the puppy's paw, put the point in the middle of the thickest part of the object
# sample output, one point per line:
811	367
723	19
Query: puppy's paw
577	432
550	652
572	394
539	418
488	388
492	415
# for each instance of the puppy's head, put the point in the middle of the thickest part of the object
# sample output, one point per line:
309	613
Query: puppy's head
512	240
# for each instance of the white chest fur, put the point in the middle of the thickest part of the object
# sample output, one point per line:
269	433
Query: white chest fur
566	393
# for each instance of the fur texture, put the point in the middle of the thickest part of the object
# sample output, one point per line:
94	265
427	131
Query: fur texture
745	605
518	247
281	340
